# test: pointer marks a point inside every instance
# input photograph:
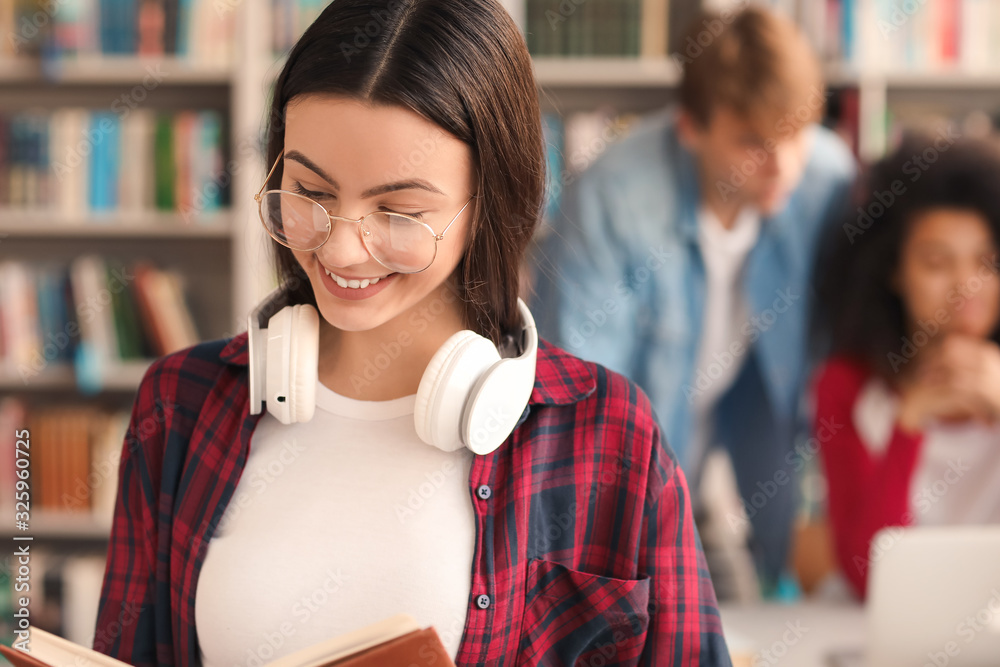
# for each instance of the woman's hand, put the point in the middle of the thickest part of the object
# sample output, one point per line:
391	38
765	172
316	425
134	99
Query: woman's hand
974	365
956	380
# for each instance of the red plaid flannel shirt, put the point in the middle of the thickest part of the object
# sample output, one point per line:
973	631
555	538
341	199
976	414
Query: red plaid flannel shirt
586	546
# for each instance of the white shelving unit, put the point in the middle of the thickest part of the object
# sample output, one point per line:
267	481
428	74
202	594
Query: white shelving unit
36	224
115	70
61	526
122	377
551	72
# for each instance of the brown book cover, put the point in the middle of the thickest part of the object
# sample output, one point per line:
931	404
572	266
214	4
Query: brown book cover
654	28
418	647
148	306
395	641
20	658
54	457
73	494
57	457
41	440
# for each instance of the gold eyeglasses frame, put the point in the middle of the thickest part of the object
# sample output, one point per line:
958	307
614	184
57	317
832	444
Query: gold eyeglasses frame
362	229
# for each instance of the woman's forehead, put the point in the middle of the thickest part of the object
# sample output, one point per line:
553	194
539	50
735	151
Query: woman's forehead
351	140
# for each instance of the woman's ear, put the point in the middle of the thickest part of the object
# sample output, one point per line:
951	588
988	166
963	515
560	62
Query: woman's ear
688	131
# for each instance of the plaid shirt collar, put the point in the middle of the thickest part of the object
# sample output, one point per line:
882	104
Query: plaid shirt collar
560	378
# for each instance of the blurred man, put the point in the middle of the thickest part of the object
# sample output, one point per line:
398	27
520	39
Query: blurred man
682	259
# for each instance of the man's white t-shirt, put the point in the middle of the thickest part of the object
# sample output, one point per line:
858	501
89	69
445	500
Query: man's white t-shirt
723	332
337	523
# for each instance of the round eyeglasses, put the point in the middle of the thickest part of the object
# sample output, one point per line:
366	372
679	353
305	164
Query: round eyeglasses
399	242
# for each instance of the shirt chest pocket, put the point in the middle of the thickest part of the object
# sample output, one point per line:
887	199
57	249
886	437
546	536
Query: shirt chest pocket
578	618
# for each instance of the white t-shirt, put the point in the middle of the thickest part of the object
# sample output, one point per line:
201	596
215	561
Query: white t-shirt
957	478
724	252
337	523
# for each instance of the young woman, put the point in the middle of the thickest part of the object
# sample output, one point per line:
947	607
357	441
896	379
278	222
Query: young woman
907	405
238	539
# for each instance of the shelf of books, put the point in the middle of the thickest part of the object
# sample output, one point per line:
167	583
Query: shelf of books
74	467
118	244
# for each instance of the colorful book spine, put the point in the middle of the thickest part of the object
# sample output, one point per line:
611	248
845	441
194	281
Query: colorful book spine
289	19
198	30
93	316
86	165
75	451
552	130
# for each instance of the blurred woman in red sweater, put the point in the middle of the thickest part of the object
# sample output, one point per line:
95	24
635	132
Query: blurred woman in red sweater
910	393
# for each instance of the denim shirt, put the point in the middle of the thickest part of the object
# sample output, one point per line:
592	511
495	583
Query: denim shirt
620	280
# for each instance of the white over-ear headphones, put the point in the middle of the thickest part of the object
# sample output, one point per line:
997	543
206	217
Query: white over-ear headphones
468	395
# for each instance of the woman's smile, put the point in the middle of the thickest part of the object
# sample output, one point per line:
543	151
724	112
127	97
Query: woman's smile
354	289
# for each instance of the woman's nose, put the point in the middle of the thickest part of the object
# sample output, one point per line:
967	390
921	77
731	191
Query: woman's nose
344	247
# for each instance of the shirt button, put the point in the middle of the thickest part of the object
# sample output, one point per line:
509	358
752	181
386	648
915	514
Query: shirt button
484	492
483	601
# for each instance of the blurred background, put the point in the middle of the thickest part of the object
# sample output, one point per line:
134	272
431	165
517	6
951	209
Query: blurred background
131	147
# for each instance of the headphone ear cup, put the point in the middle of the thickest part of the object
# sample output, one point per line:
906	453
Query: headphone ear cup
495	405
446	385
292	363
303	363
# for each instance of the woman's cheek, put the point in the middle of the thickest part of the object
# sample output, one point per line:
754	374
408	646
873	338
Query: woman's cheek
928	292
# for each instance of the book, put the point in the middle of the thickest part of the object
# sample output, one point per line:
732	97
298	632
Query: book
201	31
626	28
79	166
93	320
76	451
160	297
397	640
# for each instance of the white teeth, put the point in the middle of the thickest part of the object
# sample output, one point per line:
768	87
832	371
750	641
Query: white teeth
352	284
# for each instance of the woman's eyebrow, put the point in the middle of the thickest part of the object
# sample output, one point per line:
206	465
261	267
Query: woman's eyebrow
297	156
410	184
413	183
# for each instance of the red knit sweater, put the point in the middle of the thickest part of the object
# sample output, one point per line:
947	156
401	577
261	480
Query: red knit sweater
866	492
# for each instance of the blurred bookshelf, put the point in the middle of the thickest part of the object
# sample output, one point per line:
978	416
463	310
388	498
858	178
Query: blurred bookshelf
151	224
110	69
599	64
119	152
597	72
122	376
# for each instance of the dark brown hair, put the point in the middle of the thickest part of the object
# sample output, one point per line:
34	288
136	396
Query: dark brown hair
465	67
755	61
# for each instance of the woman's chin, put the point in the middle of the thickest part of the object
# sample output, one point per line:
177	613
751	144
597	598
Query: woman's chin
342	321
971	327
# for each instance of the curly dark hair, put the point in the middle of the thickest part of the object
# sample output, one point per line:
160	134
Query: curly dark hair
858	314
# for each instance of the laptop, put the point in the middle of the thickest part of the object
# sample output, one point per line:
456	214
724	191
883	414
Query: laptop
934	597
